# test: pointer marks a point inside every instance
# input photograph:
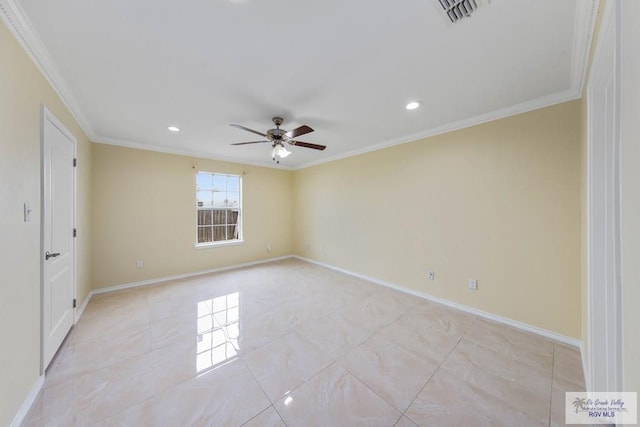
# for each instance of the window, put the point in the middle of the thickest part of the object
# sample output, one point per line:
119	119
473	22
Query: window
218	202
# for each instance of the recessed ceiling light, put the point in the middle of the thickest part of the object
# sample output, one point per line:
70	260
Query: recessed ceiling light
173	129
413	105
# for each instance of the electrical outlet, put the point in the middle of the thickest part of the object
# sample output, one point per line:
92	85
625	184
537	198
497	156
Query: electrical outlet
431	275
139	264
268	247
473	284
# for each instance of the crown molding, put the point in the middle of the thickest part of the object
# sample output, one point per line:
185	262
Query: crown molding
545	101
583	34
186	153
17	22
584	25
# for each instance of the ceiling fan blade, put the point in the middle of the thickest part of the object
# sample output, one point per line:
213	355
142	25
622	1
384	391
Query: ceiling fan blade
251	142
307	145
293	133
249	130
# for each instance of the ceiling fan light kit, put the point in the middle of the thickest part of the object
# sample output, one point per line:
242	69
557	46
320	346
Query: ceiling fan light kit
279	152
278	137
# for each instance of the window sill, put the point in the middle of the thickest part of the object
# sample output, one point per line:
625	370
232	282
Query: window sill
199	246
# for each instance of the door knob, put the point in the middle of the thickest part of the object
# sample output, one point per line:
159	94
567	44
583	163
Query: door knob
48	255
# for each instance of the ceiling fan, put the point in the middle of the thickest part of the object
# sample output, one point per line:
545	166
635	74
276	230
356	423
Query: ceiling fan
277	137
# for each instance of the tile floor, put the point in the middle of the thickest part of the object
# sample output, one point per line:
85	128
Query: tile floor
293	344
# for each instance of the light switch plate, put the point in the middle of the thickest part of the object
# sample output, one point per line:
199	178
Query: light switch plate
27	211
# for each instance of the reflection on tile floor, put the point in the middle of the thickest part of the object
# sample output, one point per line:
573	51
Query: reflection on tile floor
293	344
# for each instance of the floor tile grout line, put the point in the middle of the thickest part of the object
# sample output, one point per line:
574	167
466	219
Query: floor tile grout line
502	400
288	331
336	361
404	348
279	414
486	347
439	366
374	333
151	350
246	365
527	364
357	378
304	382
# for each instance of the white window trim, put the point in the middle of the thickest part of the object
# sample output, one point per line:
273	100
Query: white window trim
220	243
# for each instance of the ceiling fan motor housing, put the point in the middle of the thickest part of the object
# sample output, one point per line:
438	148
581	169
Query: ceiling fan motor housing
276	134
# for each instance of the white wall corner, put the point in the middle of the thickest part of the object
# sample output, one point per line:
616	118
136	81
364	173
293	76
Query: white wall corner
583	33
17	22
28	402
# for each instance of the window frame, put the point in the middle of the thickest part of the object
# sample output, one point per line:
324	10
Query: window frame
239	208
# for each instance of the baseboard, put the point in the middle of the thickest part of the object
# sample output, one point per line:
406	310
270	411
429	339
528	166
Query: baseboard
28	402
486	315
80	310
33	393
184	276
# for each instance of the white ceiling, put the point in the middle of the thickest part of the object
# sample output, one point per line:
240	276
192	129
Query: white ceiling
128	69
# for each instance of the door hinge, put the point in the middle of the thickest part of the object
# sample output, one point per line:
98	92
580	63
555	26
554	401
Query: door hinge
75	232
75	162
74	303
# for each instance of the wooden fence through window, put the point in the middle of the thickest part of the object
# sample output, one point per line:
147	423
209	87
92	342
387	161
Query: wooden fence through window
216	225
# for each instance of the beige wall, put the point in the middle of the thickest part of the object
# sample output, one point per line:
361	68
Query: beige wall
144	209
22	91
498	202
630	182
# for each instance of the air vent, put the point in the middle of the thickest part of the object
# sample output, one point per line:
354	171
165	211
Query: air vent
458	9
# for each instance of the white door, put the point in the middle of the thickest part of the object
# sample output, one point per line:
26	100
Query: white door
58	255
603	212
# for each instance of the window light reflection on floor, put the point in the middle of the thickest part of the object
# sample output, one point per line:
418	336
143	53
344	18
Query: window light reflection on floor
218	329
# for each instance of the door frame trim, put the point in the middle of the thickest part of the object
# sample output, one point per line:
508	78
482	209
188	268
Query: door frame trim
47	116
613	366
